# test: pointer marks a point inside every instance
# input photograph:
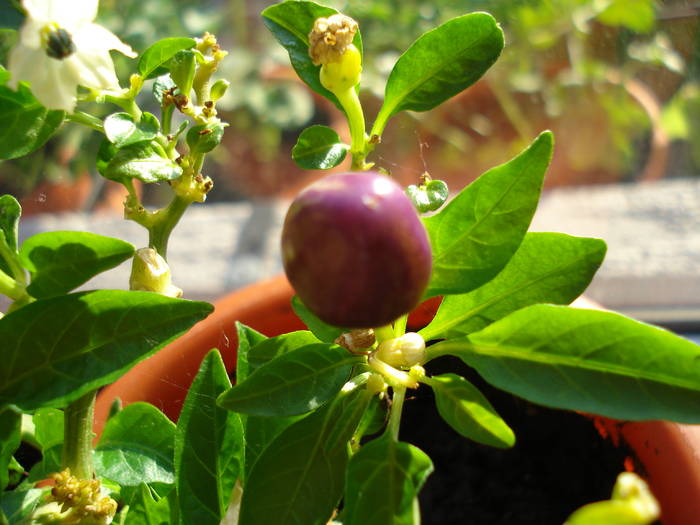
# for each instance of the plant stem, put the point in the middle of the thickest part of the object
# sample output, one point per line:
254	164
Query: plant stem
86	120
396	410
356	121
77	436
164	223
10	287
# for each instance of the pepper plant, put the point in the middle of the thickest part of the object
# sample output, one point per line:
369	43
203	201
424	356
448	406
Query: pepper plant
310	433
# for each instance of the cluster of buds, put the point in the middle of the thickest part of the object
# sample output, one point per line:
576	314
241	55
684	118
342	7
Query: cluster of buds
75	501
331	47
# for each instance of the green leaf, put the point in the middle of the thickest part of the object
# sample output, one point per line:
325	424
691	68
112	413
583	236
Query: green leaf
298	479
160	86
588	360
61	261
547	268
273	347
383	480
144	509
142	161
122	130
441	63
294	383
17	505
137	446
10	437
48	432
205	137
291	23
428	197
152	60
208	447
319	148
247	338
105	154
260	431
10	212
475	235
324	332
57	349
468	412
27	125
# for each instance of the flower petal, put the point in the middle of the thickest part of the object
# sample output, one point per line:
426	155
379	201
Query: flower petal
57	90
30	33
95	37
92	68
68	14
27	65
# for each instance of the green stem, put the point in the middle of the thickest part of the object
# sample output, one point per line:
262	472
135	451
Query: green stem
127	104
77	438
87	120
448	348
400	325
356	121
396	410
10	287
164	222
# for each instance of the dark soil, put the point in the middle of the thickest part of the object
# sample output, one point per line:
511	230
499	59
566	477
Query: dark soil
558	464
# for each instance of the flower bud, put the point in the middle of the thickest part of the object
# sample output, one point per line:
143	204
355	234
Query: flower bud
150	273
357	339
403	352
218	89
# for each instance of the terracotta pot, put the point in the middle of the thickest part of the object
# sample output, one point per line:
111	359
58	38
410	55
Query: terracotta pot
668	453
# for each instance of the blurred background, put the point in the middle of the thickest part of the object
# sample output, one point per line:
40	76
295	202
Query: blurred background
618	81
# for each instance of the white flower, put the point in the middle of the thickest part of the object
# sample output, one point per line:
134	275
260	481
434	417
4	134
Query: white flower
60	48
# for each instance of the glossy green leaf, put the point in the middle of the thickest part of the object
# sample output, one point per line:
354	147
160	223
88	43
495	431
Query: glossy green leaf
105	154
121	129
143	161
137	446
547	268
160	86
247	338
588	360
17	505
48	432
260	431
205	137
10	212
27	125
273	347
57	349
182	68
299	477
428	197
383	480
476	233
63	260
291	23
294	383
441	63
10	436
144	509
323	331
468	412
208	447
319	148
156	56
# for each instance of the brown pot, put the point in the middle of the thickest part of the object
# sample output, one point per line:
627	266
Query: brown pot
669	453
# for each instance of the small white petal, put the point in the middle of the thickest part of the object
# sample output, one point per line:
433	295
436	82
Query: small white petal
26	65
57	91
92	68
30	34
95	37
68	14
